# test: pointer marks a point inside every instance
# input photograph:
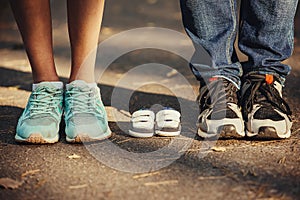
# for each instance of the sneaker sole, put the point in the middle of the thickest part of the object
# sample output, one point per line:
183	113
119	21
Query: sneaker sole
140	134
268	129
36	138
167	134
81	138
222	128
225	131
229	131
268	133
167	131
148	135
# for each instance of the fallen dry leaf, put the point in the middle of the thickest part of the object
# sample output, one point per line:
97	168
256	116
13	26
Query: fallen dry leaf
282	160
218	149
9	183
170	182
30	172
78	186
145	175
40	183
173	72
74	156
211	177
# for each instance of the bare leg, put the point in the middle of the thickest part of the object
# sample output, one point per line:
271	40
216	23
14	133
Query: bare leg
34	21
84	18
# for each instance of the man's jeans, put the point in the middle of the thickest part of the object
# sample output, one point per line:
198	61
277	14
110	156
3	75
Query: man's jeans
266	36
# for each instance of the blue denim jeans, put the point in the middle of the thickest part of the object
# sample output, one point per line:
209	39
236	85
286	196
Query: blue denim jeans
266	36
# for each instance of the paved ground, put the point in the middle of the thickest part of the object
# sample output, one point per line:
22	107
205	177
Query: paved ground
237	169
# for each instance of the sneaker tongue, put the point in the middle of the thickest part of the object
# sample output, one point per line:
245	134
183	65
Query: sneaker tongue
80	84
81	92
224	81
269	79
77	84
52	85
214	78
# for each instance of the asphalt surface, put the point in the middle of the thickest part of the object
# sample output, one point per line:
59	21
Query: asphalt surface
123	167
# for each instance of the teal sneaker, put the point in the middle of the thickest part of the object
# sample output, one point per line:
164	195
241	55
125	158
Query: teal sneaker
39	122
85	115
